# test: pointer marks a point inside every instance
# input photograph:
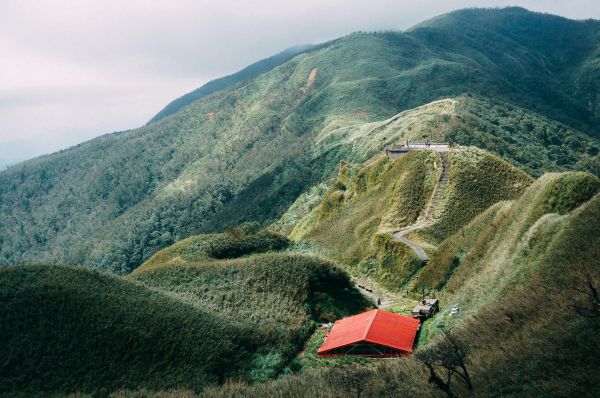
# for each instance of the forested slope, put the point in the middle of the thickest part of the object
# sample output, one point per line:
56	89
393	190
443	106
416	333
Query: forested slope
247	152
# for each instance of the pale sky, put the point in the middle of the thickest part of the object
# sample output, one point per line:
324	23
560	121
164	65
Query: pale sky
71	70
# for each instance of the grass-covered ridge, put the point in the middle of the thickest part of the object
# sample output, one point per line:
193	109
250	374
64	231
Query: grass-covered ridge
478	179
508	244
201	248
355	218
352	222
226	82
68	329
523	284
247	152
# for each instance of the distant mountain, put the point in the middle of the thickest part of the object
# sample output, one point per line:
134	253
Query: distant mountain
521	84
222	83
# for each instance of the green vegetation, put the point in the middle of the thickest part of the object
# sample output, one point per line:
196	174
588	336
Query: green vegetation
66	329
529	140
526	300
223	83
255	154
478	179
353	221
231	244
507	232
246	152
273	296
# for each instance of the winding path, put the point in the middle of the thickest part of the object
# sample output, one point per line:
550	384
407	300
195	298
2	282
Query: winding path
377	292
429	215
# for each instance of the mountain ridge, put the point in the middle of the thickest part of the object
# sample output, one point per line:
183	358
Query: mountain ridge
247	152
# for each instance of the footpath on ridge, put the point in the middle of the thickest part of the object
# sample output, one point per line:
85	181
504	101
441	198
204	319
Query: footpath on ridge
377	292
428	217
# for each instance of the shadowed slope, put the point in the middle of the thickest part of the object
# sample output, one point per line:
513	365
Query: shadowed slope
65	329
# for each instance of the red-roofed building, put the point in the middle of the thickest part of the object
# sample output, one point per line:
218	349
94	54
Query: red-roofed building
374	333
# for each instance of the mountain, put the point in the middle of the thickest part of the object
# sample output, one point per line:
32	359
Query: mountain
245	153
353	220
212	247
223	83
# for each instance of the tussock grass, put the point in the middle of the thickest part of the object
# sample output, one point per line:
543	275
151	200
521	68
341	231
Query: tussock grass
352	224
353	221
478	179
525	316
66	329
230	244
505	246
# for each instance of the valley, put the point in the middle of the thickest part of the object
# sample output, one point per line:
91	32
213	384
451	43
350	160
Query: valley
209	252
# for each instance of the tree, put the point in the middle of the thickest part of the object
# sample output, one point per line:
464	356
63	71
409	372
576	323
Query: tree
588	287
446	359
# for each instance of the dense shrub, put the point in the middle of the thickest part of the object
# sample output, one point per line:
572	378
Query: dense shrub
231	244
67	329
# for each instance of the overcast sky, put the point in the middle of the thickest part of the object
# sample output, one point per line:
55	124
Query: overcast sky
74	69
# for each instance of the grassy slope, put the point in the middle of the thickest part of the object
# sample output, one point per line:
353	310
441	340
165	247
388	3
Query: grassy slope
67	329
517	293
248	152
223	83
230	244
540	314
353	221
508	244
478	179
273	291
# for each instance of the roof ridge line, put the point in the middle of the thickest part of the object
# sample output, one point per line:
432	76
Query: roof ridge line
368	329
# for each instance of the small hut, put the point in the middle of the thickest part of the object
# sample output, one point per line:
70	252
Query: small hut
396	151
375	334
426	308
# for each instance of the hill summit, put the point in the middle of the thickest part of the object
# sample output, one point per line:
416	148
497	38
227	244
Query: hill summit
245	152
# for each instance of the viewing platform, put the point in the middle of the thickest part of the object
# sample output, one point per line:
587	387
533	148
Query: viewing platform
396	151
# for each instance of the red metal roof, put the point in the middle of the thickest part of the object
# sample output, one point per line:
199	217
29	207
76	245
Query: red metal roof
377	327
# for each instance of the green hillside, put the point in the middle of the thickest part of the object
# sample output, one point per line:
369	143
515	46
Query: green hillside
231	244
245	153
211	242
478	179
525	276
67	329
354	220
521	273
223	83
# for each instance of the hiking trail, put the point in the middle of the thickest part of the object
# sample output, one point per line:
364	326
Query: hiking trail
428	217
372	288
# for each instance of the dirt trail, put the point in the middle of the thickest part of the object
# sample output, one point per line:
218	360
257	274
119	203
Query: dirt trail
429	214
374	291
377	292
